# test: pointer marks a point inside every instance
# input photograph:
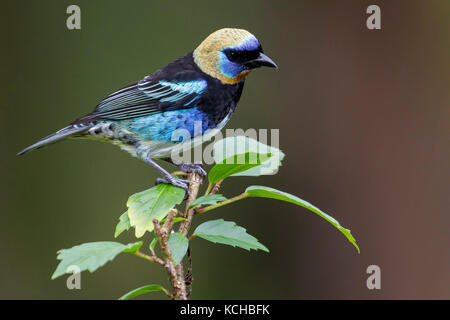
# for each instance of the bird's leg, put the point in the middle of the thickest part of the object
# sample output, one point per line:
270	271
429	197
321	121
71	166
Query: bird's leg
189	167
168	178
193	167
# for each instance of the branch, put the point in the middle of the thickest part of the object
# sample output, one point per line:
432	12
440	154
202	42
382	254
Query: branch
188	278
181	283
195	180
162	233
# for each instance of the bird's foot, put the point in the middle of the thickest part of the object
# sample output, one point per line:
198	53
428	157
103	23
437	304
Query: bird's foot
180	183
193	167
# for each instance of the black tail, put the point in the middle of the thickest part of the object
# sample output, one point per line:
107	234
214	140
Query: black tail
57	136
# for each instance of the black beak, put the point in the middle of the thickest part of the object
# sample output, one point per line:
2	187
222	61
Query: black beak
261	61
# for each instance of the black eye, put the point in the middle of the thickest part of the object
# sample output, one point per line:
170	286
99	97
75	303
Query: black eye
241	56
232	54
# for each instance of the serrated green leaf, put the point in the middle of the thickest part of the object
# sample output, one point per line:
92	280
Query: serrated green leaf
178	245
208	200
266	192
231	146
91	256
142	290
123	225
150	204
236	164
227	232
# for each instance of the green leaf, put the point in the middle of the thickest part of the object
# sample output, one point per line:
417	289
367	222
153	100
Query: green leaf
150	204
208	200
133	247
227	232
123	225
175	220
178	245
266	192
236	164
91	256
142	290
178	219
231	146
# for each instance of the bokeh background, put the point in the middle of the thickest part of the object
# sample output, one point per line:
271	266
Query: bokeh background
363	118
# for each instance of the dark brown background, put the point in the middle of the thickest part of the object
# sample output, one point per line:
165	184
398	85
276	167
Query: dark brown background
363	118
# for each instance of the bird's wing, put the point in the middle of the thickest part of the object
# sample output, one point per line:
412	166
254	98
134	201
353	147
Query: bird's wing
150	96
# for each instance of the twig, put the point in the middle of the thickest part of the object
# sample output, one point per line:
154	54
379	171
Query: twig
216	187
167	293
208	189
192	237
179	288
169	219
188	278
179	173
181	213
152	258
220	204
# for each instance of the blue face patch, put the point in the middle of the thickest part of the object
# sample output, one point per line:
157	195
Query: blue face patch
228	68
232	69
249	44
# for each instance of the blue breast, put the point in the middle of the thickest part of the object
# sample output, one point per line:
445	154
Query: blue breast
161	126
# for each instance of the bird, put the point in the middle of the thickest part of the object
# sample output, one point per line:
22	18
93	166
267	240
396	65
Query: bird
203	86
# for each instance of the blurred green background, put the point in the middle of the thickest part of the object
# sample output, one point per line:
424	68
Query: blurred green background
363	118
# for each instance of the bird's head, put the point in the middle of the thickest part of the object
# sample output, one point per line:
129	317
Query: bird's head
230	54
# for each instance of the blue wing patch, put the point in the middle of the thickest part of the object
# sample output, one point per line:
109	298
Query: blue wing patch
148	97
166	91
